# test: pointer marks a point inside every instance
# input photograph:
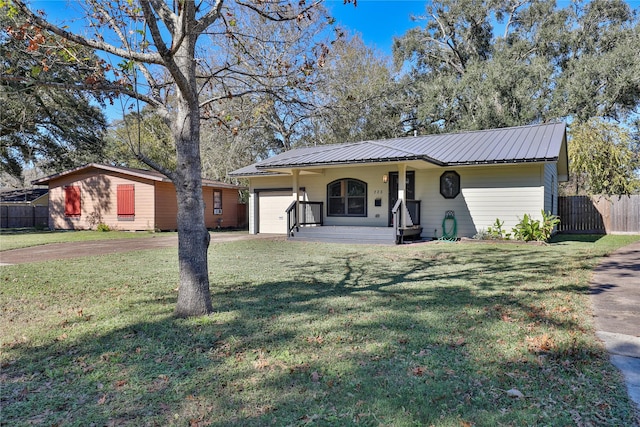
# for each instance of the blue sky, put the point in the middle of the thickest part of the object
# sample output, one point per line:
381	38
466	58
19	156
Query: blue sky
378	21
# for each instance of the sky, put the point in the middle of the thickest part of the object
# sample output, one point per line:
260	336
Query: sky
378	21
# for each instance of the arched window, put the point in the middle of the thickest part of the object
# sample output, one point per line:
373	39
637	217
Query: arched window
347	197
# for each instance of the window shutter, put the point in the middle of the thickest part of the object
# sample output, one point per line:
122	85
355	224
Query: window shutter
72	205
126	200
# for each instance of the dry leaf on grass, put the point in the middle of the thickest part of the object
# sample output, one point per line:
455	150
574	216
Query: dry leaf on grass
541	343
515	393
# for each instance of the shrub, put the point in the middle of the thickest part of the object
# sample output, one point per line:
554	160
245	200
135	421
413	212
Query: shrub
496	231
103	227
529	229
549	222
482	235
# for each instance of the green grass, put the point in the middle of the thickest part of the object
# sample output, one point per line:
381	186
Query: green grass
313	334
26	238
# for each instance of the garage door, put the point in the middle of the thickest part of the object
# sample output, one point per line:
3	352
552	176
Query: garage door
271	211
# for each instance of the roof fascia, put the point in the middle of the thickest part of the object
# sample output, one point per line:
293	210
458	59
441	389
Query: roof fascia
115	169
273	169
218	184
502	162
563	160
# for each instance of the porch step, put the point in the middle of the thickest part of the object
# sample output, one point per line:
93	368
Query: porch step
344	234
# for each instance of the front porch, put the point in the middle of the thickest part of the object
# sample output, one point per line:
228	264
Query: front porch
305	221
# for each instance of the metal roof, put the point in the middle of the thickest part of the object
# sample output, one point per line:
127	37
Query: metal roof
534	143
22	195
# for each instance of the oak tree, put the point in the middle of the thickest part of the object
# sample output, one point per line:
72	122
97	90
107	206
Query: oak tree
603	158
476	65
164	49
357	96
42	121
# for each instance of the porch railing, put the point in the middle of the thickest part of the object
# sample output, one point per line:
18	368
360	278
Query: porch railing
292	218
311	213
397	217
413	206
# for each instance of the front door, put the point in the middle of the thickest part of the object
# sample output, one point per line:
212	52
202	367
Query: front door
393	190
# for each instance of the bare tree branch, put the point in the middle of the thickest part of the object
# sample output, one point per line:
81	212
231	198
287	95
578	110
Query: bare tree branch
210	17
280	17
125	41
152	58
168	17
102	87
169	55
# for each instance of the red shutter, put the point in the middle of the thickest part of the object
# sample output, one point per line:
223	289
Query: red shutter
72	200
126	200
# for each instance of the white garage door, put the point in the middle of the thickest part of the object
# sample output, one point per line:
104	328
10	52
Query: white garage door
271	211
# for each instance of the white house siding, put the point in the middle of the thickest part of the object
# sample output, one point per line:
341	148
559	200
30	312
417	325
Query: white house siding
487	193
377	216
315	186
551	188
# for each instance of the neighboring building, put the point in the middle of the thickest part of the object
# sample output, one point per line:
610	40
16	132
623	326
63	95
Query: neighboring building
480	176
129	199
25	197
24	208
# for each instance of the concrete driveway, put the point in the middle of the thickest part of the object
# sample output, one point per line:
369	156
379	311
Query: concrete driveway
615	294
56	251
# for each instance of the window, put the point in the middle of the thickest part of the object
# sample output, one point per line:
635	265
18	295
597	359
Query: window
72	205
217	202
126	201
347	197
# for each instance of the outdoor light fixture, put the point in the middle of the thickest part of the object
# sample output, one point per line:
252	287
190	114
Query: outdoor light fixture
385	178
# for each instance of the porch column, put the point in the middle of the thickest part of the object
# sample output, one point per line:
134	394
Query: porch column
253	211
402	187
296	196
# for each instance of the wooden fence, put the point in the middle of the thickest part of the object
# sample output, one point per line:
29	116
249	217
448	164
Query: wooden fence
24	216
599	214
243	221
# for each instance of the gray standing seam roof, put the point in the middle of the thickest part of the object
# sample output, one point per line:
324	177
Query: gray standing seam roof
535	143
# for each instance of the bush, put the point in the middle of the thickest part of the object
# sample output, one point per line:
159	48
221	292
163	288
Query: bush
496	231
103	227
482	235
529	230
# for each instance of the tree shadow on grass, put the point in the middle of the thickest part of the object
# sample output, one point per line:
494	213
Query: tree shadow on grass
568	237
432	338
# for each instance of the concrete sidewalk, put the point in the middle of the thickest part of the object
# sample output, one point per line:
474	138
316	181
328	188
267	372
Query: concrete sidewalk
615	294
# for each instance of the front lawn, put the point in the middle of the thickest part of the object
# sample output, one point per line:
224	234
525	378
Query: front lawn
313	334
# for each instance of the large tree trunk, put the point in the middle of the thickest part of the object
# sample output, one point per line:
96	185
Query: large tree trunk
194	297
